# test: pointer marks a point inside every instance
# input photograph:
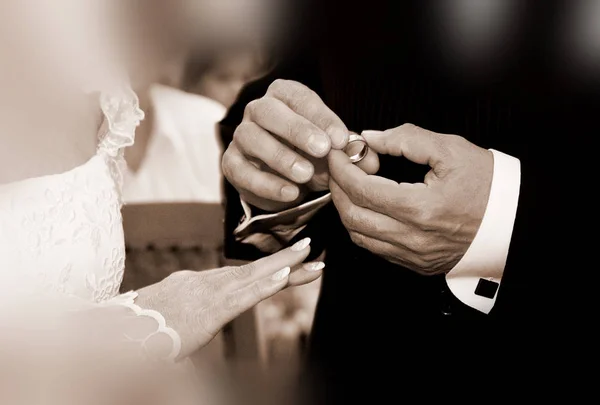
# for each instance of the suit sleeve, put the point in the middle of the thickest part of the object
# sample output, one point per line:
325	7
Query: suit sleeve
549	248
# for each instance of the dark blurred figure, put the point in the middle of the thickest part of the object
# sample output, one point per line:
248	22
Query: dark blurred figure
504	75
220	74
176	157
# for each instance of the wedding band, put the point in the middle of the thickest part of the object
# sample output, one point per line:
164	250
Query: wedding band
363	152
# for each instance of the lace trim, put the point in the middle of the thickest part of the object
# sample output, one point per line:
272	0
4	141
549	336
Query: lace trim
122	115
122	111
128	301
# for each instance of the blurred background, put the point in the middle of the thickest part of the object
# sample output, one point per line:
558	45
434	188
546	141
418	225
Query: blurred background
191	59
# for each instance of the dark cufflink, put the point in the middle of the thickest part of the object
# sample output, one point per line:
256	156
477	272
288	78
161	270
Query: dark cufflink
486	288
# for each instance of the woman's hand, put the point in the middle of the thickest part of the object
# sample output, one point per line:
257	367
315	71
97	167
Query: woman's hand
198	304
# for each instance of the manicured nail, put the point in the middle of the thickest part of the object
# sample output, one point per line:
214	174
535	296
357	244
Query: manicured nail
289	193
281	274
318	144
300	246
302	171
316	266
371	132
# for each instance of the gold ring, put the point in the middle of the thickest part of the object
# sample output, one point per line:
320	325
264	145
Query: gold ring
362	153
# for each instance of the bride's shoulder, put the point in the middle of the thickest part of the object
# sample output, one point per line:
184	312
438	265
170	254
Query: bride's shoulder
51	54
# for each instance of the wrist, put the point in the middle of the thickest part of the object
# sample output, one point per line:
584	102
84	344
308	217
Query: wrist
149	324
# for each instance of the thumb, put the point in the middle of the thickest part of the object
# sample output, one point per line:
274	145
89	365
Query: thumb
416	144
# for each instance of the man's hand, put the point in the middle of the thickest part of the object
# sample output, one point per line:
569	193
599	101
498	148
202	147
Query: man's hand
278	151
426	227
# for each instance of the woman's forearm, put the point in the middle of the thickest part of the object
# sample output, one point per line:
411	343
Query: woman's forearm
91	353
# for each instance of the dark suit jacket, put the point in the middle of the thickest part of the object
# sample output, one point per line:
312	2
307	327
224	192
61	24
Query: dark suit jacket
381	66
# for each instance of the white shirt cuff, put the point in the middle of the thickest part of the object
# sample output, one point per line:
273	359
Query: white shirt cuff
271	232
475	280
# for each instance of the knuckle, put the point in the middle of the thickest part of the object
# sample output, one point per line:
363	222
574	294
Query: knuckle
240	272
358	239
300	97
377	227
257	110
418	243
245	179
425	218
231	302
278	86
183	276
257	292
283	157
296	132
455	139
245	133
352	220
327	123
249	268
251	107
408	127
450	146
230	164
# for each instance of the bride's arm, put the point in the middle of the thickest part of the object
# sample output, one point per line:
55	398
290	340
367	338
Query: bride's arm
110	351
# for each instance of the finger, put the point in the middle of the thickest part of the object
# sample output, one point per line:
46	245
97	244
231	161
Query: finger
272	205
365	221
244	176
256	142
307	273
399	254
370	164
239	301
393	253
309	105
372	192
414	143
276	117
238	277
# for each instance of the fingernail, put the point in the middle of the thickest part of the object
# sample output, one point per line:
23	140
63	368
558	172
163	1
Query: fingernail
318	144
314	266
289	193
339	137
301	245
281	274
371	132
302	171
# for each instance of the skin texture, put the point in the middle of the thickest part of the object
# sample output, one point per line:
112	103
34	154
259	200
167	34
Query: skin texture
278	154
426	227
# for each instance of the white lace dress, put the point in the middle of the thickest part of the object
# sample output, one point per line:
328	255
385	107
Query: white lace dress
61	236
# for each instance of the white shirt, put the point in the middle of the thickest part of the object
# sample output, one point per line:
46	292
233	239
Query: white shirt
183	159
486	257
483	262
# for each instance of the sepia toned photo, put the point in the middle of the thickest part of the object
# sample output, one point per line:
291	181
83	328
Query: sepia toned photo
296	202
